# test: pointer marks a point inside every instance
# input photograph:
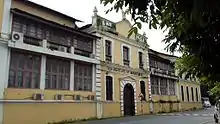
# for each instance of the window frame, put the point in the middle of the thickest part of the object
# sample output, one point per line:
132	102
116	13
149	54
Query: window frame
79	74
182	93
172	87
25	70
143	89
187	93
111	93
50	73
192	94
197	95
126	61
140	59
155	85
108	55
163	86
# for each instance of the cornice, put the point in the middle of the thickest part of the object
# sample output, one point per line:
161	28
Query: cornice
123	39
124	69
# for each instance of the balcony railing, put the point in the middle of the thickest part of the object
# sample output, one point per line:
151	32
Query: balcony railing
141	65
108	58
126	62
32	40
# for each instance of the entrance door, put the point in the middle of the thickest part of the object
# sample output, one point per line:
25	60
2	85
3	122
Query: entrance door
129	106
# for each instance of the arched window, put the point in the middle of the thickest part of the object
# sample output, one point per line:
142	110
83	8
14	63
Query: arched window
197	97
192	93
109	88
182	92
142	86
187	93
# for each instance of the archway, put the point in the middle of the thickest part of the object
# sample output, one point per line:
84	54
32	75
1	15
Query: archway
129	104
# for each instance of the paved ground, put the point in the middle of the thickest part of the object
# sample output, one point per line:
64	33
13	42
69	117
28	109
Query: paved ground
189	117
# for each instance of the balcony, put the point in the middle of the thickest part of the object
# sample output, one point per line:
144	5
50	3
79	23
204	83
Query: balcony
108	58
126	62
37	45
141	65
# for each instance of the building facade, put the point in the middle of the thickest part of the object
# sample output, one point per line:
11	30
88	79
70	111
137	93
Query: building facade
189	93
169	92
48	66
124	66
56	71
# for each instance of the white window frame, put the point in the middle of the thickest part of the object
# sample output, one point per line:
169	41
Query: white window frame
129	52
143	58
112	48
113	87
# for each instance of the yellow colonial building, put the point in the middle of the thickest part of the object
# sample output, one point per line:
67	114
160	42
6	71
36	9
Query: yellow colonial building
170	92
52	70
124	67
189	94
48	66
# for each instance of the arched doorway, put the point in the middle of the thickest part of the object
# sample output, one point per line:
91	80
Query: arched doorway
129	105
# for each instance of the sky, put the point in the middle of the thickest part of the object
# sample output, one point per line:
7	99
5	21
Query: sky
83	10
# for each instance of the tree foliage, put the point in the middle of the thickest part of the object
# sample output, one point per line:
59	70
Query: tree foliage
193	29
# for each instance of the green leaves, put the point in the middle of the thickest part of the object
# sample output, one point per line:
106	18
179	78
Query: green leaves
139	25
133	30
192	25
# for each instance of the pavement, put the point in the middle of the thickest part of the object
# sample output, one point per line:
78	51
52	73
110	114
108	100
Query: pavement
188	117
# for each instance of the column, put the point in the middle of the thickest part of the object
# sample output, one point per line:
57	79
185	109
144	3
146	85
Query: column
159	85
43	67
6	19
93	77
168	89
72	75
177	91
4	53
43	72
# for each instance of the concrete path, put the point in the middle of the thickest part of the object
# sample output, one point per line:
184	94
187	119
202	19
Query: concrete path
189	117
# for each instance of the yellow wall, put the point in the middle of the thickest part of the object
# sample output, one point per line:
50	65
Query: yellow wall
189	84
116	85
123	28
156	98
42	113
165	107
111	109
118	53
42	13
1	13
23	94
143	108
190	105
38	113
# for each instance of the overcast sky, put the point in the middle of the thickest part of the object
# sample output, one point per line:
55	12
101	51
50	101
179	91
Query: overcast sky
83	10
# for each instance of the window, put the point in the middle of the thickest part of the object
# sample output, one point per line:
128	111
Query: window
172	87
24	70
163	86
126	58
141	64
182	92
108	51
35	31
109	88
192	92
155	85
142	86
187	93
57	74
152	63
83	76
197	97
